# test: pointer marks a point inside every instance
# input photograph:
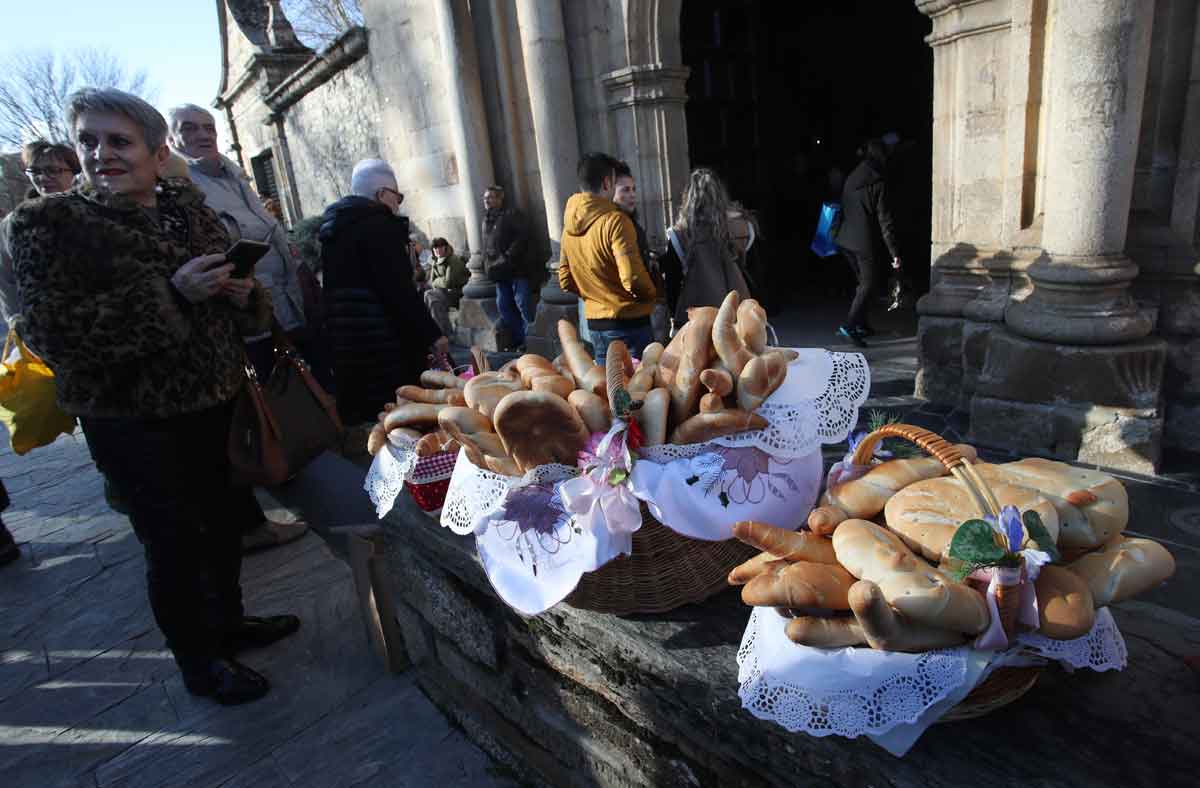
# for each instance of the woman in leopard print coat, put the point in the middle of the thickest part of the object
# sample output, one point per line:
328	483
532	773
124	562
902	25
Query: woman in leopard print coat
128	298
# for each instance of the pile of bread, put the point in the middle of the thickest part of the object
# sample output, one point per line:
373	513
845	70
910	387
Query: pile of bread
533	411
848	581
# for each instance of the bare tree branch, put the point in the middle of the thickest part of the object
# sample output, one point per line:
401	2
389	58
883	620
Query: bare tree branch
318	22
34	86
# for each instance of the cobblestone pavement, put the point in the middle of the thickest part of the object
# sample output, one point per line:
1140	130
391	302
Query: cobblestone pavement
89	697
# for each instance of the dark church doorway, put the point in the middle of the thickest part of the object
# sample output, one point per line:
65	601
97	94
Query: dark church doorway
781	97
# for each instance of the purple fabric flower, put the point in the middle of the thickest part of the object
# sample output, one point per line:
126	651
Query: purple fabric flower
1010	519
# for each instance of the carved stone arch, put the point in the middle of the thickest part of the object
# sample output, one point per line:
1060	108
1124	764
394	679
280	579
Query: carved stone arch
652	32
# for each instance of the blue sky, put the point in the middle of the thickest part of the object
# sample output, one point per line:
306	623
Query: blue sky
175	41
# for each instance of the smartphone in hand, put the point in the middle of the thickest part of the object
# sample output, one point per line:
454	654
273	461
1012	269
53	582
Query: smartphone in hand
244	254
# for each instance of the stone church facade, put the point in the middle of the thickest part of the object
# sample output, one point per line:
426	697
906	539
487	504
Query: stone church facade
1064	313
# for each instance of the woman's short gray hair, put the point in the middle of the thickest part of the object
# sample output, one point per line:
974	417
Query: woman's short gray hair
371	175
150	120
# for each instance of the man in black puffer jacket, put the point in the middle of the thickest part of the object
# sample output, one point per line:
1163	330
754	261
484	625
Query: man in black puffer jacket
866	216
380	330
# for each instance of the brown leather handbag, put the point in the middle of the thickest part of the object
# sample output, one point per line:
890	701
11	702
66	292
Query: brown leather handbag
282	426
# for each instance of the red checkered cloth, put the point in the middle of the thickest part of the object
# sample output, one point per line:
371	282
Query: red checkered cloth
430	479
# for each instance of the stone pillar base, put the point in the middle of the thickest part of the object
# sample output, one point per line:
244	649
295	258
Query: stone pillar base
542	337
479	324
1099	404
939	350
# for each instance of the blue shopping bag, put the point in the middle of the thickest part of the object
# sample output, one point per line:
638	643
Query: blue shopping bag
822	243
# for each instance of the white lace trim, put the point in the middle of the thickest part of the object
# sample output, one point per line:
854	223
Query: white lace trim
474	492
858	691
388	472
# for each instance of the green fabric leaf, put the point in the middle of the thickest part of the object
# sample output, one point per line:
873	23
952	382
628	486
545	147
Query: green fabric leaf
1040	536
622	403
974	542
617	475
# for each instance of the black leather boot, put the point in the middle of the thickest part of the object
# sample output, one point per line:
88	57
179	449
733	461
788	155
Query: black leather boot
256	632
226	681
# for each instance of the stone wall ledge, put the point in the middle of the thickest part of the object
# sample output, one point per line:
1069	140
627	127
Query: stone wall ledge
574	698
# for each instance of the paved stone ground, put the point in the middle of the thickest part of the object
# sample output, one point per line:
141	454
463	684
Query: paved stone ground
89	697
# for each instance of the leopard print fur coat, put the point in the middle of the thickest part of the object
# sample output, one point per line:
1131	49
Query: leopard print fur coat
93	271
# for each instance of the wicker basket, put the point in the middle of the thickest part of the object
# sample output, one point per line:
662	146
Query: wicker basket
665	571
1005	685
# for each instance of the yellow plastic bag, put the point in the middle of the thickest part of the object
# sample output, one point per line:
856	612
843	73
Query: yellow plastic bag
28	404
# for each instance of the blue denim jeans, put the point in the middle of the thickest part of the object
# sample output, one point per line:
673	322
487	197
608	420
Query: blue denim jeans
514	299
635	339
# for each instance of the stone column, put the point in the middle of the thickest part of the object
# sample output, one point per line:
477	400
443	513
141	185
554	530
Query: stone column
1074	374
478	318
548	77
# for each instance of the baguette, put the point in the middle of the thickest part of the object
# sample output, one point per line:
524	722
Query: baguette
799	584
1123	568
887	630
922	593
865	497
704	427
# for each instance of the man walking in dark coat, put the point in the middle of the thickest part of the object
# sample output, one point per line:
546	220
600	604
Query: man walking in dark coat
866	216
378	323
504	262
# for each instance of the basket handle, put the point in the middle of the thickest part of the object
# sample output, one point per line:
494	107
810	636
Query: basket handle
942	450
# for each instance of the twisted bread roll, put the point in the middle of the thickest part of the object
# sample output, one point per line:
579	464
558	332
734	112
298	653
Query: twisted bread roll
799	584
697	353
725	339
668	360
643	379
920	592
717	381
1124	568
887	630
866	496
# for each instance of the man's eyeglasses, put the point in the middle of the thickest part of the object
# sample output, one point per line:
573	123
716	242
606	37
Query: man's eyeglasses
399	196
53	172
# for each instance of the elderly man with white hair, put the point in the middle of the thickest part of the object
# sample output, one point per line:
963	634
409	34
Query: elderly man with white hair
193	135
379	327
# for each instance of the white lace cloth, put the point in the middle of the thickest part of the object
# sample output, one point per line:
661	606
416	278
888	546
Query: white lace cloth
392	466
890	697
535	552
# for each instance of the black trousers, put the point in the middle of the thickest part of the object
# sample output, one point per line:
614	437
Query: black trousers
863	266
174	474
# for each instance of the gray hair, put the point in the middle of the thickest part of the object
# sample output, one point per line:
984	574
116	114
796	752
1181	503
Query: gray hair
371	175
174	112
150	120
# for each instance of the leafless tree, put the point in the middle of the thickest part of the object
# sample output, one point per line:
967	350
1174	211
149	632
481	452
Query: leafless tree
318	22
34	87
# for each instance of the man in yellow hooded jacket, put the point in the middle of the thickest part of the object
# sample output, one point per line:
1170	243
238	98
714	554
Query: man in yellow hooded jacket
599	261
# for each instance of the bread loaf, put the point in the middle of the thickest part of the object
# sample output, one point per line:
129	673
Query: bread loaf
553	383
759	379
752	326
1123	568
450	396
414	414
1092	507
376	438
865	497
916	589
537	428
1065	607
437	378
531	365
927	514
711	403
826	632
652	417
888	630
717	381
642	380
592	409
704	427
783	543
799	584
652	353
